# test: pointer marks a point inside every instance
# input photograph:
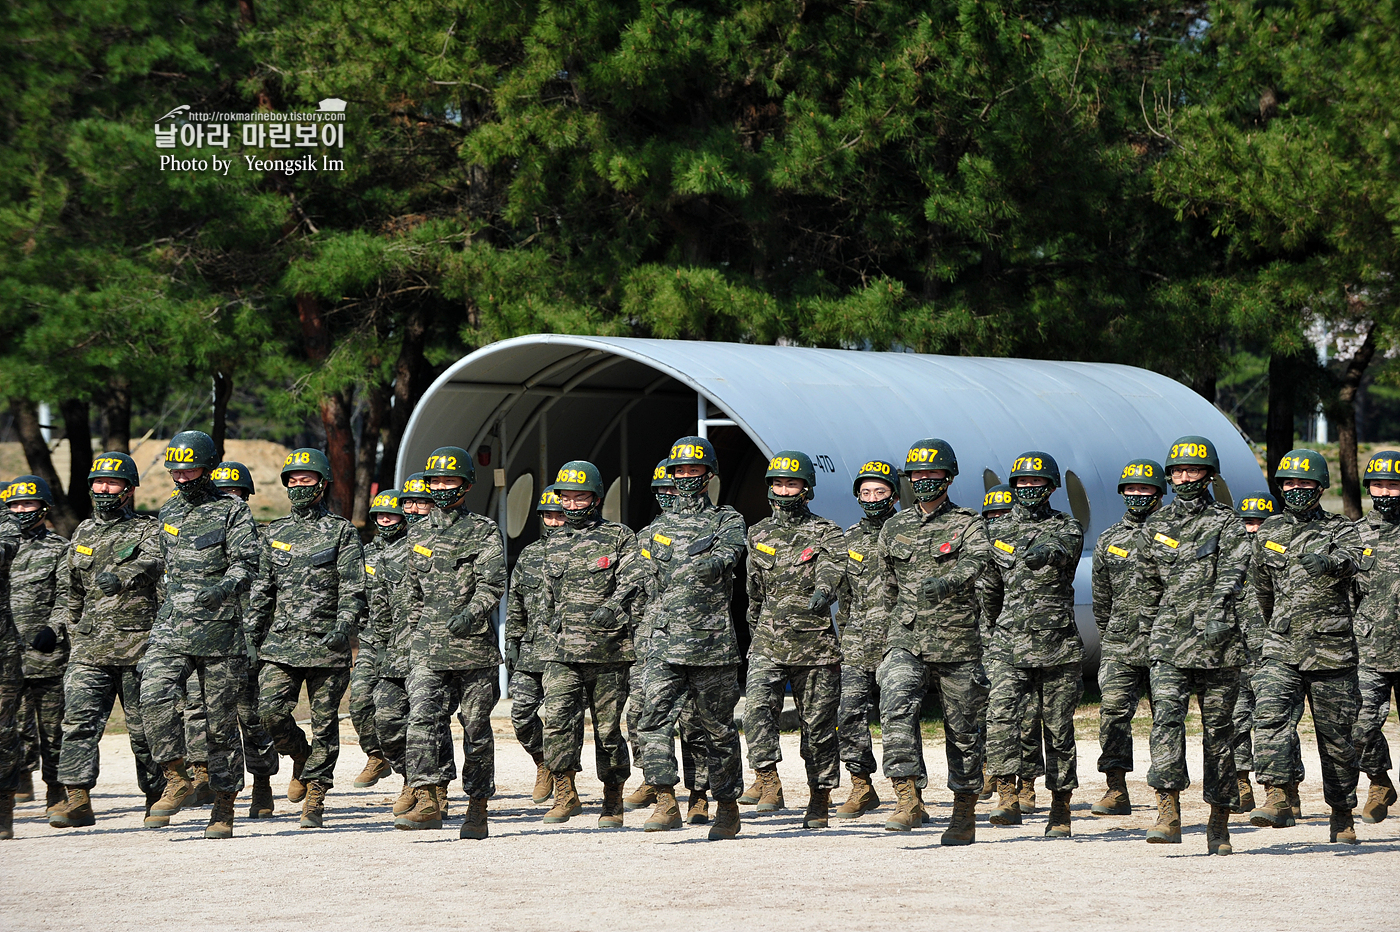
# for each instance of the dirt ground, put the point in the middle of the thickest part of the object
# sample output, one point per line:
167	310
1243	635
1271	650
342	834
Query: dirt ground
853	875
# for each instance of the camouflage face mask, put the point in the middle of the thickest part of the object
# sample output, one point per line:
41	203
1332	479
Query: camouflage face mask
302	496
1387	505
1301	500
880	509
1031	496
787	502
104	503
446	498
666	500
1190	491
195	488
928	489
393	532
412	518
1141	505
691	485
30	519
582	516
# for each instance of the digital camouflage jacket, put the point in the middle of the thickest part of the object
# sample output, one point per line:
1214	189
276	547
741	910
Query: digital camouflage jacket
1034	608
584	568
791	555
111	629
1122	609
456	569
528	607
1378	589
390	628
867	595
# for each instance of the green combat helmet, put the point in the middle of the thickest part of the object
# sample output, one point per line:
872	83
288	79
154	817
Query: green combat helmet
450	461
661	479
1257	507
191	449
28	489
930	453
692	450
549	503
997	501
791	464
1303	464
113	466
415	488
1143	472
1034	463
306	459
387	503
233	475
880	471
580	476
1192	451
1383	465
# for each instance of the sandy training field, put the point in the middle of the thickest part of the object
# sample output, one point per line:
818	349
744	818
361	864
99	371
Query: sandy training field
359	873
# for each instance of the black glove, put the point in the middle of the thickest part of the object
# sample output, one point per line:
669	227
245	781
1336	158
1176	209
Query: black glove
934	589
109	583
709	570
1218	632
335	641
1320	564
820	601
512	654
1039	556
210	597
603	617
45	641
460	625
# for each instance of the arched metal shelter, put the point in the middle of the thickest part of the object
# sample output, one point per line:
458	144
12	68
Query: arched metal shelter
526	405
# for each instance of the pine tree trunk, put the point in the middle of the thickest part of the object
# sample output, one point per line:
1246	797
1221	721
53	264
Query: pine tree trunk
365	473
1279	431
335	409
36	454
78	427
410	381
116	416
1344	416
223	389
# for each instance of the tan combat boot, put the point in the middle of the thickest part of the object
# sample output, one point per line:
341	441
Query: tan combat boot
54	796
444	798
261	805
544	784
221	816
1115	800
177	792
641	797
203	793
76	813
611	816
1341	827
406	799
1295	804
905	816
566	801
1276	811
313	807
25	793
962	827
667	814
376	769
1007	811
1057	826
1246	792
7	816
863	798
1380	797
697	809
426	812
818	809
1167	831
152	797
989	784
755	791
296	790
726	821
474	825
1025	793
772	798
1218	831
919	809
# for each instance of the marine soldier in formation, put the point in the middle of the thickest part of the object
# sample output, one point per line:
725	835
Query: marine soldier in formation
416	499
866	598
527	620
38	584
1251	510
587	648
692	554
306	604
1125	628
1378	630
364	674
11	748
1036	644
797	563
1195	561
1305	560
209	546
113	566
933	555
456	574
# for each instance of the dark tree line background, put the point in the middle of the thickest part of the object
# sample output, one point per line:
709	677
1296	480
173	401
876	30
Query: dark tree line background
1205	189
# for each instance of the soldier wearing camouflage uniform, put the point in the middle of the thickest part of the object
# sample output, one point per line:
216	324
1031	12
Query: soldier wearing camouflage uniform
866	596
934	554
691	556
587	649
259	752
527	620
113	567
1304	562
306	603
37	585
385	634
1378	630
456	574
1035	642
797	564
209	545
364	675
1125	628
11	674
1195	561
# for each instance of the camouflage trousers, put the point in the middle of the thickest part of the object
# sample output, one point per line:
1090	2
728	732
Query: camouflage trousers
279	688
963	691
1243	721
816	691
88	695
41	724
432	696
1056	690
391	721
1335	698
259	754
713	693
569	690
695	765
362	678
1215	691
221	681
859	698
526	695
1373	751
1032	729
1121	686
11	747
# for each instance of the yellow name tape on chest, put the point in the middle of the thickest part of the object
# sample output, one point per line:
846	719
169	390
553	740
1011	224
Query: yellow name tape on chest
1366	552
172	530
858	557
1276	548
279	545
1164	539
87	551
420	549
1003	545
369	569
661	539
764	548
646	553
1117	551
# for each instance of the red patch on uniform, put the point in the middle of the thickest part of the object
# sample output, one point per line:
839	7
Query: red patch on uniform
604	562
806	555
945	548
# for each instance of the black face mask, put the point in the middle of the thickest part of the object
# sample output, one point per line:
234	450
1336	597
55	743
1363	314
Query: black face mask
787	502
28	520
393	532
1299	501
582	517
1190	491
196	489
412	518
928	488
667	500
1387	505
881	509
1140	506
104	503
1031	496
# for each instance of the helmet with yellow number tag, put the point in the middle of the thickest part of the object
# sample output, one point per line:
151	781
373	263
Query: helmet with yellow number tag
306	459
115	466
692	450
791	464
579	475
386	503
876	469
1303	464
1260	505
661	475
1383	465
233	475
1193	451
1035	464
415	486
451	461
1143	472
28	489
927	455
997	501
190	449
549	500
